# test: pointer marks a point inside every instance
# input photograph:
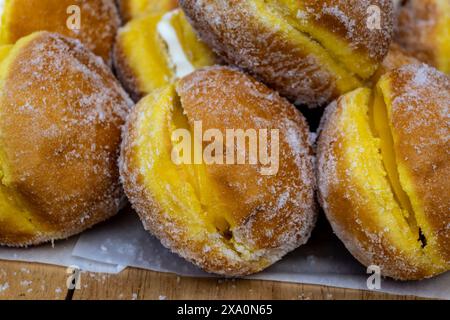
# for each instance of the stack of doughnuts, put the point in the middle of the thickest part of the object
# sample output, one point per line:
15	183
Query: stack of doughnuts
216	157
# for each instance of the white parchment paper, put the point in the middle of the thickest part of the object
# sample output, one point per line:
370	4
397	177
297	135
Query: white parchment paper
324	260
122	241
58	253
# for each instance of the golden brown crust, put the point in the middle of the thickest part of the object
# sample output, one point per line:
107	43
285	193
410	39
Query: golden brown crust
235	30
217	110
273	214
125	73
417	30
420	118
420	98
347	213
99	22
349	20
61	112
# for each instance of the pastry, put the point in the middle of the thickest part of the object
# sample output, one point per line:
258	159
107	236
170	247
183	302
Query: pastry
154	50
310	51
384	172
61	111
93	22
423	30
130	9
228	217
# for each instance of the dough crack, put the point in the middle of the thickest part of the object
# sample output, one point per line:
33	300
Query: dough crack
278	12
382	130
215	211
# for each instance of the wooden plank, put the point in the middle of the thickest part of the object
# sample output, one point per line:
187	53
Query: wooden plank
140	284
21	281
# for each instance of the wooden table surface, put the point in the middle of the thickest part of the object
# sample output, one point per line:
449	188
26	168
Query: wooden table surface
20	280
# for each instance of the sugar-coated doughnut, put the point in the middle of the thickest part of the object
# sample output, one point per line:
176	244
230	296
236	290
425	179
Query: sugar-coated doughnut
423	30
93	22
384	172
310	51
130	9
61	111
154	50
228	219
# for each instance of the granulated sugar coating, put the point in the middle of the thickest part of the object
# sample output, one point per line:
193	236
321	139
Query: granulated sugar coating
423	31
309	51
358	186
60	119
268	216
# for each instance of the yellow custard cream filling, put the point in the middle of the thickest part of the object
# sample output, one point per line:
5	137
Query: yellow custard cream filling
184	191
383	182
161	48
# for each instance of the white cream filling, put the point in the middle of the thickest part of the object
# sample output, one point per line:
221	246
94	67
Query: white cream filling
177	56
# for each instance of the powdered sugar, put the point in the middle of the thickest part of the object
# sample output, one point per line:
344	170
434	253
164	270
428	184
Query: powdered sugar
422	30
418	98
244	34
275	213
59	103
